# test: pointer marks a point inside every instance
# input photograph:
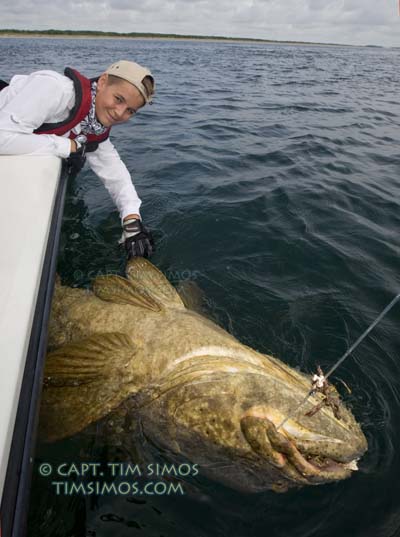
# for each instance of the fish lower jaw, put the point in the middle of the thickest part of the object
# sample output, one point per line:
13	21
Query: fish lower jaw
352	465
300	456
318	470
307	467
291	449
330	465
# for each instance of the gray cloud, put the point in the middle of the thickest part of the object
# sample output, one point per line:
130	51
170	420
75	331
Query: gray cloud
345	21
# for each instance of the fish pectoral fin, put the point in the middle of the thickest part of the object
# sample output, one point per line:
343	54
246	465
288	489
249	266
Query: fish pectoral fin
122	291
88	360
84	381
143	274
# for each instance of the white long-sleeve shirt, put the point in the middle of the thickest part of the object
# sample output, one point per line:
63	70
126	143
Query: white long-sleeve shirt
48	97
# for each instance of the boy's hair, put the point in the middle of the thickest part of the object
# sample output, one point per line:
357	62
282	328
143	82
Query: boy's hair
148	83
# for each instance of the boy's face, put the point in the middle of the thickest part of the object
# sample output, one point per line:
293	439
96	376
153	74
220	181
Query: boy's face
116	102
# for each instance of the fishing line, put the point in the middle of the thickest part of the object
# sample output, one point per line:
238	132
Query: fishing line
342	359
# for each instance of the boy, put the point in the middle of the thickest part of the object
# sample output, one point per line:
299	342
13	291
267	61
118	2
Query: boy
70	116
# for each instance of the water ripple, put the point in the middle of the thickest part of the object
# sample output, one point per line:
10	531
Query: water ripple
272	173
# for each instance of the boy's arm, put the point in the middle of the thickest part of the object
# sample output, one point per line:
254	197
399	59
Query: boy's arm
107	164
41	98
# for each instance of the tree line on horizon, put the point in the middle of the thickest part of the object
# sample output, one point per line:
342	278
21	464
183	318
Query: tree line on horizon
91	33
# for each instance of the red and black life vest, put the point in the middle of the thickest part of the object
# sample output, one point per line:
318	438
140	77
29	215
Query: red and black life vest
83	101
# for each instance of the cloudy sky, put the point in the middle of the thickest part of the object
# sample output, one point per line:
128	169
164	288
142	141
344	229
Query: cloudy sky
360	22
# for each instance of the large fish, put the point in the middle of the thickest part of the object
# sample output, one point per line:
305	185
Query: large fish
131	352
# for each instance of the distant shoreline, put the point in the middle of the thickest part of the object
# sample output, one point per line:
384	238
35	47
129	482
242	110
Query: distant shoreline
67	34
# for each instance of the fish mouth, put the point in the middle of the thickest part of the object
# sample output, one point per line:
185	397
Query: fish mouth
300	456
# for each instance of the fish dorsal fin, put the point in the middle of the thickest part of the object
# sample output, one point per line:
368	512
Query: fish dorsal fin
145	275
84	381
191	296
122	291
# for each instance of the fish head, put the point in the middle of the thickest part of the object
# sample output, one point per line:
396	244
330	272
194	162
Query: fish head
225	411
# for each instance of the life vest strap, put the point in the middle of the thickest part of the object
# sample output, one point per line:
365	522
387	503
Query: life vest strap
83	101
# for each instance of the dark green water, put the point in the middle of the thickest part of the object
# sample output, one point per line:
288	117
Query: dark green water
270	175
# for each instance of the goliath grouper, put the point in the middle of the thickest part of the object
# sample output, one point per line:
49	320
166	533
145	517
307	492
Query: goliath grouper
131	352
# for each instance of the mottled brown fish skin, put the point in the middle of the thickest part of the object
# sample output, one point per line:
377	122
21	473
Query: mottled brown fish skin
131	348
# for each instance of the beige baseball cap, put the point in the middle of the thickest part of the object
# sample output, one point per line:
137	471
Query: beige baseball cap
134	73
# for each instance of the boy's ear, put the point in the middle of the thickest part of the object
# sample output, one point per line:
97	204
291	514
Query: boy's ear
102	80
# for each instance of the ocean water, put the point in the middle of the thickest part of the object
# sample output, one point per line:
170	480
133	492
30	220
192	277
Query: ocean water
270	176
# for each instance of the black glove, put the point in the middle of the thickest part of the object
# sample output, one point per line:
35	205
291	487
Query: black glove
76	160
136	239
